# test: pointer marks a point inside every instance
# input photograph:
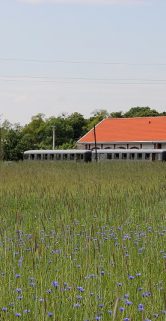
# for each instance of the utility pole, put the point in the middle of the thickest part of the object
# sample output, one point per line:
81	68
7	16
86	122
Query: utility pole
95	143
53	137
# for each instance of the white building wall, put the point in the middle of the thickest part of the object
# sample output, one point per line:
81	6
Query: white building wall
164	145
117	146
148	145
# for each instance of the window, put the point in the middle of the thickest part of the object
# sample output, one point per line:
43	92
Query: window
116	156
147	156
58	156
139	156
32	156
124	156
132	156
109	156
64	156
78	156
71	156
38	156
51	156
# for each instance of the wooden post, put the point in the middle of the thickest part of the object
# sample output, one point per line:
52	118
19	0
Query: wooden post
95	143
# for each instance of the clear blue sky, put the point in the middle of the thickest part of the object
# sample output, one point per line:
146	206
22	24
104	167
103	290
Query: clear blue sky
81	55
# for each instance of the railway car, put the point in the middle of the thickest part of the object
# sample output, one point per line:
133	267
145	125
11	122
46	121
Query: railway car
99	155
130	154
59	155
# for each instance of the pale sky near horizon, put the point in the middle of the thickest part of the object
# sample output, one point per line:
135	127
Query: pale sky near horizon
81	55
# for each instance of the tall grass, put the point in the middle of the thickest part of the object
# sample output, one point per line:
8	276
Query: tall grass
83	241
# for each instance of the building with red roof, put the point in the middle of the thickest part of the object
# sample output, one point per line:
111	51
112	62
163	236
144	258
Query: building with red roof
138	132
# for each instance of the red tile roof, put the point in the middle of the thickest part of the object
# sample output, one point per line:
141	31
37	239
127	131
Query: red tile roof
128	130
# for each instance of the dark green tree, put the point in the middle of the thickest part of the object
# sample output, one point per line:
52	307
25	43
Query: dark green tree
141	112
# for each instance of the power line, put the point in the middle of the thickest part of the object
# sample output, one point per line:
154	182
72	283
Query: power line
59	61
47	79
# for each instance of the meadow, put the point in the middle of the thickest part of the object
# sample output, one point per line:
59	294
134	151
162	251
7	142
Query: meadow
83	242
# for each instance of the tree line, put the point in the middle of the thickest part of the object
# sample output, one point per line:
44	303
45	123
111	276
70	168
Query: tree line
37	134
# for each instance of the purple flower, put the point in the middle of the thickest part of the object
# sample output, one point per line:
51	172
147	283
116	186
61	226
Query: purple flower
128	302
101	305
18	290
80	288
18	315
146	294
76	305
140	307
55	284
27	311
110	312
121	309
131	277
50	314
17	276
4	309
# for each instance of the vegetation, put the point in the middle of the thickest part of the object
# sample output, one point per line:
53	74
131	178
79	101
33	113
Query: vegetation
14	139
82	241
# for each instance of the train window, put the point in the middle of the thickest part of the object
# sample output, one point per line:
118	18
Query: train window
52	156
32	156
124	156
132	156
82	156
26	156
147	156
64	156
71	156
77	156
45	156
58	156
154	156
116	156
109	156
139	156
38	156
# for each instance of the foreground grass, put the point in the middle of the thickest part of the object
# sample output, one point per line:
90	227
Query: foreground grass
83	241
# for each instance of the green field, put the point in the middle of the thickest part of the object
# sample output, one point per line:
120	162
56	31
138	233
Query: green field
83	241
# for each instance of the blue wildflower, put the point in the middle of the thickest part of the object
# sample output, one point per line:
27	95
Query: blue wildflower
80	288
55	284
4	309
121	309
140	307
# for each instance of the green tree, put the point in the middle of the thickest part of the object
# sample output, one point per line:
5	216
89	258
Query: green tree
78	124
98	115
117	114
11	149
35	131
141	112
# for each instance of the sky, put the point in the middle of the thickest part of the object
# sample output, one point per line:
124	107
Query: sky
65	56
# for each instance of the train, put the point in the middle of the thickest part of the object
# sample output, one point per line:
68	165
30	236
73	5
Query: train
96	155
